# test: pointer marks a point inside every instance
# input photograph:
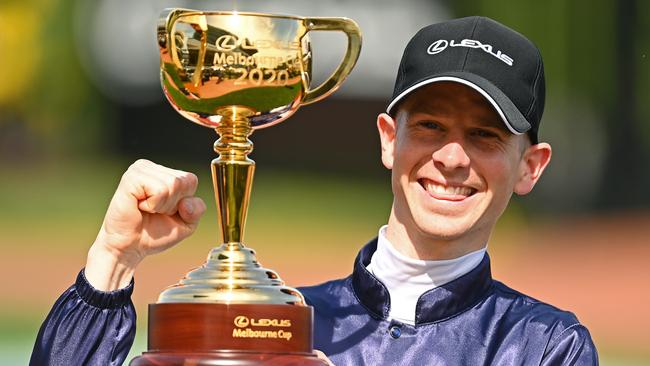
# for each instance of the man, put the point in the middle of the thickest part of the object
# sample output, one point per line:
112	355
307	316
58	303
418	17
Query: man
460	137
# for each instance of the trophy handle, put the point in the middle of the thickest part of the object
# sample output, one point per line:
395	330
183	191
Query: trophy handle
167	41
351	29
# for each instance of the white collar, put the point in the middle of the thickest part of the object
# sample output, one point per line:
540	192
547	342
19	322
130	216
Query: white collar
408	278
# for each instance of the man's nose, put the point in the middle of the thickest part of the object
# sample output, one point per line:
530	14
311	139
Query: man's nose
450	156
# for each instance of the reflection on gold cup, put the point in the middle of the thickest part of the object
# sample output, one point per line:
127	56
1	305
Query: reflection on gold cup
237	72
221	65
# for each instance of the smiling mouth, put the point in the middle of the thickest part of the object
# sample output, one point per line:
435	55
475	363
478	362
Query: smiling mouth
444	192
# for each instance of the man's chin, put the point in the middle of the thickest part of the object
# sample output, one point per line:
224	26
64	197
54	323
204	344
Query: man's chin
450	231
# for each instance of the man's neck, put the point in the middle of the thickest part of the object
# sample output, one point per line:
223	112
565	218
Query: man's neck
406	279
418	245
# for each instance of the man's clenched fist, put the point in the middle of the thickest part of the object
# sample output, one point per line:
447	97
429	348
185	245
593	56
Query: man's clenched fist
153	209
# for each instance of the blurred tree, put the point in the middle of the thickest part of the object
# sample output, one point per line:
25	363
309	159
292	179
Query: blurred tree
628	175
19	29
45	100
593	54
598	80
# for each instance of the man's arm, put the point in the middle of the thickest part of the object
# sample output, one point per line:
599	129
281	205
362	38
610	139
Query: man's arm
93	322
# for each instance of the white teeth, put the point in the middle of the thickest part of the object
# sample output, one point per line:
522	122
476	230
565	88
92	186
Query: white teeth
456	191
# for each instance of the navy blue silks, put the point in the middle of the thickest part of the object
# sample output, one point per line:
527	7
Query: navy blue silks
87	327
472	320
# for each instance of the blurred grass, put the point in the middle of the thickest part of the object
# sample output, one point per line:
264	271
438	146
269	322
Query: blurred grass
71	199
299	223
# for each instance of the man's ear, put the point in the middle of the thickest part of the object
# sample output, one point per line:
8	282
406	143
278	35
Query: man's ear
387	129
532	165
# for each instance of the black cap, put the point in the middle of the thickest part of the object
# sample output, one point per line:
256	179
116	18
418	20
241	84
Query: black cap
501	64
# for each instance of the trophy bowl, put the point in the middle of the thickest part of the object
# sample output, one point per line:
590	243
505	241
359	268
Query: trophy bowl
235	73
215	65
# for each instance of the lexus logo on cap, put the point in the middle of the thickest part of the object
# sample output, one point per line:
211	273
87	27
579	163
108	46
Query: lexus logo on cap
442	44
437	46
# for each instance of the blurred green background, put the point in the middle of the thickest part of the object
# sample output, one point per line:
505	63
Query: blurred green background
80	100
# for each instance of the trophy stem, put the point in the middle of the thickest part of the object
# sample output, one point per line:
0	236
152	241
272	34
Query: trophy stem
232	174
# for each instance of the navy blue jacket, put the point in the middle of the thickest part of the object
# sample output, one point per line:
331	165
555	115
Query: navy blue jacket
473	320
87	327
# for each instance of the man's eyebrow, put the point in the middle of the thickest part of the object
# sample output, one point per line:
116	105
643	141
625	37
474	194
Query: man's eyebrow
431	109
487	121
491	119
496	123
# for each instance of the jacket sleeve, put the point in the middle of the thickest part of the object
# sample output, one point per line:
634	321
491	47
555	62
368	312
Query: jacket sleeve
573	346
87	327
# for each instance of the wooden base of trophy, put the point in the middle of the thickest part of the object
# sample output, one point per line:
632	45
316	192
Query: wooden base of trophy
201	334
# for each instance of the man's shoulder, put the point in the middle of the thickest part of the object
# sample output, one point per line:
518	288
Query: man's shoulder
523	303
519	308
566	340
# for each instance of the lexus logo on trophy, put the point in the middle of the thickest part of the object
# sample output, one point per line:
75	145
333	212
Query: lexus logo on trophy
235	73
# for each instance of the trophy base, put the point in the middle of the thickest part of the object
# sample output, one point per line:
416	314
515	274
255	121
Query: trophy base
229	334
225	358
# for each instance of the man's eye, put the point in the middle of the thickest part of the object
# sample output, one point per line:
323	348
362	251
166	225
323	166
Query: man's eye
429	125
485	133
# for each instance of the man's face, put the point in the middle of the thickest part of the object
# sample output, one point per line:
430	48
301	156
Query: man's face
454	164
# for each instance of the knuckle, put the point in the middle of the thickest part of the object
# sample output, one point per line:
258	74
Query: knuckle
141	163
176	183
192	179
136	166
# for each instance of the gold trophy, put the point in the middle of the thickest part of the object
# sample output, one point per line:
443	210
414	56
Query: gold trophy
237	72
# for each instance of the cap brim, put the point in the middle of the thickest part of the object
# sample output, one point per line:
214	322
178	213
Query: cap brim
512	118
